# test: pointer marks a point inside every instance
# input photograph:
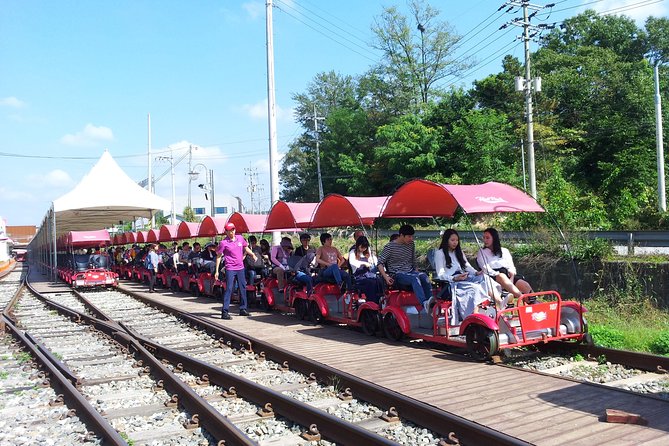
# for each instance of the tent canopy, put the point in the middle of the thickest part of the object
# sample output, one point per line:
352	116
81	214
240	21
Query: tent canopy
88	239
187	229
338	210
423	198
142	236
154	235
104	196
211	227
248	222
168	233
289	216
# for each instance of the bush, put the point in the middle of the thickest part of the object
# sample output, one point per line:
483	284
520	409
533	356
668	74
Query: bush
607	337
660	344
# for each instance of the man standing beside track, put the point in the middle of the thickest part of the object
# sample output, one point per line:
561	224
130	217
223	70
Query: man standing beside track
233	248
399	259
152	261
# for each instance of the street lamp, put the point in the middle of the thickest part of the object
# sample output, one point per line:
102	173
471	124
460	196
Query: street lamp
208	186
173	218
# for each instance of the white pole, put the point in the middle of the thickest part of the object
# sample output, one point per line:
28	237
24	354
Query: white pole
271	116
174	215
150	172
528	104
318	156
661	194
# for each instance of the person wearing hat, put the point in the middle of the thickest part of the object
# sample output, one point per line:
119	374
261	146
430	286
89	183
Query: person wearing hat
233	247
208	257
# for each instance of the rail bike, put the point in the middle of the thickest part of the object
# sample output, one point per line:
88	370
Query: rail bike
537	318
82	261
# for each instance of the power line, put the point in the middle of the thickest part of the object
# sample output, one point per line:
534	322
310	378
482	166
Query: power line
329	36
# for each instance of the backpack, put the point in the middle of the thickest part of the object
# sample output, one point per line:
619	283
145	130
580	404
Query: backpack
147	262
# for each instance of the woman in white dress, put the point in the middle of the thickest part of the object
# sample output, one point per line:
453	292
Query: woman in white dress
497	263
467	283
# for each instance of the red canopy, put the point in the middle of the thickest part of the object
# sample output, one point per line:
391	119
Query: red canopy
142	236
88	239
187	229
422	198
289	216
154	235
248	222
211	227
168	233
338	210
117	239
129	237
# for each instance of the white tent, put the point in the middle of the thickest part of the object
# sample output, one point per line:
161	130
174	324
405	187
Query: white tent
102	198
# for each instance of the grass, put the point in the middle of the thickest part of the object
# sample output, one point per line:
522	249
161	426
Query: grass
628	323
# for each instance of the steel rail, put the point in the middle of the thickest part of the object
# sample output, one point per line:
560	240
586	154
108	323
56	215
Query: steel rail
214	423
232	338
445	423
637	360
330	426
85	411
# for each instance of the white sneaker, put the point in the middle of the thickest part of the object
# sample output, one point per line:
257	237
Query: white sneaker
427	304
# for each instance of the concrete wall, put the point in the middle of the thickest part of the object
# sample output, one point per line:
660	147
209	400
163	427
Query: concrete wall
652	278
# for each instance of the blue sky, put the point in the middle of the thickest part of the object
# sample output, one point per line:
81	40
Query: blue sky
79	77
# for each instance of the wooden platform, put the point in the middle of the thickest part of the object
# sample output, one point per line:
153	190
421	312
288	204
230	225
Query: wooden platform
538	409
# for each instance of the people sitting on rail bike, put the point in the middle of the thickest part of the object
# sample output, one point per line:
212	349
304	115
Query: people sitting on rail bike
330	260
397	265
363	266
305	245
181	257
279	258
301	265
255	269
356	235
461	281
497	263
208	257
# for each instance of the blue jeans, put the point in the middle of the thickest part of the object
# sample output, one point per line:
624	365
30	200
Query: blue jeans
306	280
419	283
339	276
229	282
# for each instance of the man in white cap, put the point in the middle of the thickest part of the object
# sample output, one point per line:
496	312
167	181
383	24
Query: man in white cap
233	248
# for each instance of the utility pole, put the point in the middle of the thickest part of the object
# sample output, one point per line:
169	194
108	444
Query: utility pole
150	173
271	115
527	83
318	155
253	186
659	142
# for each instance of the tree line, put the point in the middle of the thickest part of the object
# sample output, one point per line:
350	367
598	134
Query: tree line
594	119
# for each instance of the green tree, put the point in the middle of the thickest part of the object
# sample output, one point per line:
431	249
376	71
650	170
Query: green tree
406	149
418	50
189	215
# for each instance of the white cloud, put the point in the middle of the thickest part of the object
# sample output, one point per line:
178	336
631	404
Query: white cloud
630	8
15	195
55	179
259	111
254	9
13	102
90	136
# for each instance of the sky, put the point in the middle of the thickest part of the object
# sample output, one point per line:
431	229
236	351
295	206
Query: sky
81	77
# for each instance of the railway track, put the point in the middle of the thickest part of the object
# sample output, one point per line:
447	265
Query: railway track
246	348
325	390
